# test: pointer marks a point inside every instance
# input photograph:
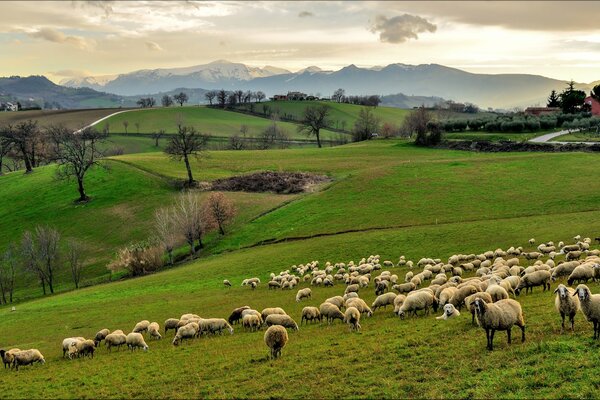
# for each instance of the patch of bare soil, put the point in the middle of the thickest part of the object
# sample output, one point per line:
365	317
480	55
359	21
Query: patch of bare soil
270	181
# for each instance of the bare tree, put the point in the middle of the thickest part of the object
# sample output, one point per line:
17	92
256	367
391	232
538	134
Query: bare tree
8	267
23	137
166	101
416	122
314	118
76	153
191	220
185	143
30	259
366	125
222	98
74	258
338	95
165	223
125	125
5	148
48	255
220	209
157	135
181	98
260	96
210	95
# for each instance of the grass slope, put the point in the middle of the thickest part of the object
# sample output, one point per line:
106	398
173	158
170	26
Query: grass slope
578	137
211	121
389	358
73	119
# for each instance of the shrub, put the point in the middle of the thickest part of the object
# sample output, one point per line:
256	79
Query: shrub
138	259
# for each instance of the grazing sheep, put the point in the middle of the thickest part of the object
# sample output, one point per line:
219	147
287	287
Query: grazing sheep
226	283
499	316
404	287
115	339
423	300
153	330
352	288
497	292
305	293
573	255
273	310
215	325
470	302
352	318
330	312
8	356
274	285
188	331
532	241
398	301
236	314
564	269
381	288
567	305
350	295
251	322
583	273
533	279
311	314
590	305
135	340
383	300
276	337
449	312
458	298
141	326
337	300
360	305
283	320
446	294
83	348
171	323
66	344
27	357
100	336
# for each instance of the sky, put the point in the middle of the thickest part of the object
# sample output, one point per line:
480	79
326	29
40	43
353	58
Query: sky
69	39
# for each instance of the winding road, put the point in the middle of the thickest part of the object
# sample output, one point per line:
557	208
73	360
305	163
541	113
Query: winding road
549	136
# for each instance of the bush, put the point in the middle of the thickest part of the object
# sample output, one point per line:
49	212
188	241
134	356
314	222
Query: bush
431	137
138	259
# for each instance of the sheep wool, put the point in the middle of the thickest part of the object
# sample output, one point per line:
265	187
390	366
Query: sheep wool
283	320
566	305
352	318
590	305
27	357
276	337
311	314
135	340
499	316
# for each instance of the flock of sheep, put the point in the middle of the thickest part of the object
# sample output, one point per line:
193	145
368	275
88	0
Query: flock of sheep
497	274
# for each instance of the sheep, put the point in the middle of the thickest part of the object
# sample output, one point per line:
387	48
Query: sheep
305	293
537	278
83	348
226	283
135	340
446	294
283	320
497	292
360	305
337	300
68	341
404	287
566	305
100	336
347	296
274	285
449	312
251	322
27	357
153	330
276	337
236	314
381	288
499	316
470	302
8	356
330	312
417	301
171	323
311	314
590	306
564	269
352	288
383	300
398	301
141	326
188	331
569	248
352	318
532	241
573	255
215	325
583	273
115	339
458	298
273	310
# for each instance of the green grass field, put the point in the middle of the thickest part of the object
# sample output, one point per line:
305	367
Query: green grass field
578	137
211	121
387	197
493	136
73	119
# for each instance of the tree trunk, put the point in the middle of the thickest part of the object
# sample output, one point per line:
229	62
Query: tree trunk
156	141
50	284
28	167
221	231
170	253
189	170
43	286
192	248
318	139
82	195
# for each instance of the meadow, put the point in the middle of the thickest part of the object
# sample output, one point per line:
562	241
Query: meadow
73	119
387	197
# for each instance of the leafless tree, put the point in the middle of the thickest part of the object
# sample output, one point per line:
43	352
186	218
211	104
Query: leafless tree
23	137
125	125
76	153
48	255
240	95
75	259
236	143
365	125
29	257
166	226
166	101
260	96
222	98
5	148
314	118
181	98
157	135
8	267
338	95
191	220
210	95
220	209
185	143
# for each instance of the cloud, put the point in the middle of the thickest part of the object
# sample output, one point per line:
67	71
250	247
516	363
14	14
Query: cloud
304	14
401	28
153	46
72	73
56	36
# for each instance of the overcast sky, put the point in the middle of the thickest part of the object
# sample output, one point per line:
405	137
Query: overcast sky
75	38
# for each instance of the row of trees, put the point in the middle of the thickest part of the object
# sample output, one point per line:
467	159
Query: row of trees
370	100
187	221
41	254
224	98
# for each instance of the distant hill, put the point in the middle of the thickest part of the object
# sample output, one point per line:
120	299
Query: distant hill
429	80
401	100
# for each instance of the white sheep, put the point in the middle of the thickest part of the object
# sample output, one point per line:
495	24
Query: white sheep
283	320
590	306
67	342
141	326
533	279
226	283
8	356
352	318
499	316
215	325
383	300
305	293
276	337
251	322
330	312
154	330
272	310
27	357
566	304
115	339
360	305
135	340
422	300
337	300
188	331
82	348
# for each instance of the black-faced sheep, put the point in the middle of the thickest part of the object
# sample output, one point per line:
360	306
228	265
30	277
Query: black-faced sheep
226	283
499	316
83	348
8	356
276	337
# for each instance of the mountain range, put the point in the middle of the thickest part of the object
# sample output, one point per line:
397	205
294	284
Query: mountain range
485	90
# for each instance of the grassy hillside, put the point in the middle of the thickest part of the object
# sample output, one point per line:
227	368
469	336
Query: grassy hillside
342	115
211	121
74	119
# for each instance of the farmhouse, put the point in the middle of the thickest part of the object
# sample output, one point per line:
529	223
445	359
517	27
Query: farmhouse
279	97
9	106
537	111
594	105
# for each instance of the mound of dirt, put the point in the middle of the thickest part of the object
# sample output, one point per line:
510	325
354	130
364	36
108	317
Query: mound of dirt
269	181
